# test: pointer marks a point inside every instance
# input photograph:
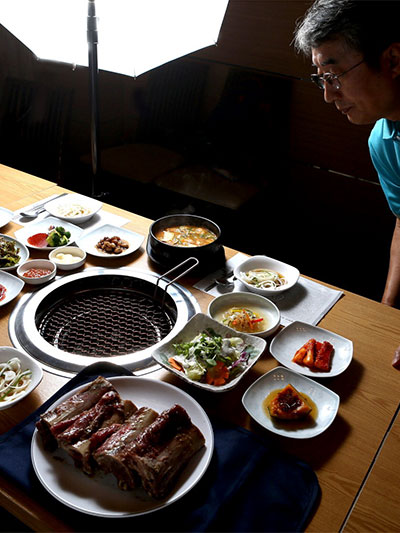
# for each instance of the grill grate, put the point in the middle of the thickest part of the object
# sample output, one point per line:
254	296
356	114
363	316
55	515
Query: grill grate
105	323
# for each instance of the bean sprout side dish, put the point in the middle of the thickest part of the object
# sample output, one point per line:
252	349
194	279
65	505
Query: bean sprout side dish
13	380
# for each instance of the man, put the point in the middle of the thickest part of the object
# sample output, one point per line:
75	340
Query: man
355	47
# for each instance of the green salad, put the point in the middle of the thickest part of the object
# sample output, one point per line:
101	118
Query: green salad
211	358
9	253
58	236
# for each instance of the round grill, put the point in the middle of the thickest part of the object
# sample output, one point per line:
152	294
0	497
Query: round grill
105	323
100	313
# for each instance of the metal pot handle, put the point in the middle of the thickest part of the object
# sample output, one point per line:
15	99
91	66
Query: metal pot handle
195	263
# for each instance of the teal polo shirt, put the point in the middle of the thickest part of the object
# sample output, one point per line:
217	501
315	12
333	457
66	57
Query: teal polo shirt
384	147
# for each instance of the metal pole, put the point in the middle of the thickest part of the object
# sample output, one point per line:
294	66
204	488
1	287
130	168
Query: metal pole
92	38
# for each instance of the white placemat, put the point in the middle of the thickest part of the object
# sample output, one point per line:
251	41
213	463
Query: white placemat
99	219
307	301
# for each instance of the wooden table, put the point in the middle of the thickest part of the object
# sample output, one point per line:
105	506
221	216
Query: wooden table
357	460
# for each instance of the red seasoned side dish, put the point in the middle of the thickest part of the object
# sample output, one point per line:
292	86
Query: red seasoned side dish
315	355
3	291
36	272
140	447
288	404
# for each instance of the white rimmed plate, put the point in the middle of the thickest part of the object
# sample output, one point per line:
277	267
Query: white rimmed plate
27	362
5	216
100	495
198	323
23	252
89	240
59	206
13	286
327	402
292	337
42	226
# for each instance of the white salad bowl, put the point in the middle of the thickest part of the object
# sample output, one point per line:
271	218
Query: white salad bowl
254	302
26	363
74	208
197	324
290	273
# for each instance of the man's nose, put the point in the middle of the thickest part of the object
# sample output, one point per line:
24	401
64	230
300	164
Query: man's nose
330	93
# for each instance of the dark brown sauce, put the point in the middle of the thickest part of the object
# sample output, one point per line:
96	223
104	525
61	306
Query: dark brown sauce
304	423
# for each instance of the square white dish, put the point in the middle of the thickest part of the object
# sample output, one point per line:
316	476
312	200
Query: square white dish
88	240
5	216
42	226
58	207
292	337
198	323
13	286
327	402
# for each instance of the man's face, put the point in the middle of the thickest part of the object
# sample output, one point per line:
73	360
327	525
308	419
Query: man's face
365	95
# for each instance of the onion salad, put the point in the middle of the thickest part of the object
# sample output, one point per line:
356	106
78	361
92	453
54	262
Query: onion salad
13	380
262	278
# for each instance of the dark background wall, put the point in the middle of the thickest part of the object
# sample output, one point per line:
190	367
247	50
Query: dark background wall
234	132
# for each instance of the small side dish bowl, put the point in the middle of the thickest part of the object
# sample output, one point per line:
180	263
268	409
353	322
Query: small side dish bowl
26	363
290	273
254	347
10	287
261	306
74	208
35	276
23	252
68	257
325	403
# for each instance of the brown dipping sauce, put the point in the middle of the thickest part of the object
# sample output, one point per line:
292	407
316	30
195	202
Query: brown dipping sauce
303	423
186	236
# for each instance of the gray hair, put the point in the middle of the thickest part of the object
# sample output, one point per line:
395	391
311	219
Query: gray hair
367	26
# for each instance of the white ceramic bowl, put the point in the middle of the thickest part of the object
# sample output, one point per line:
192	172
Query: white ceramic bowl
198	323
255	302
23	252
42	226
27	362
67	252
60	206
37	263
262	261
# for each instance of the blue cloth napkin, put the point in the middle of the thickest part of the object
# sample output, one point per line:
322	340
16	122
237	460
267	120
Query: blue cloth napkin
249	485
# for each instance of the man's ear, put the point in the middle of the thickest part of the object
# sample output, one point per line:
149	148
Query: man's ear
391	59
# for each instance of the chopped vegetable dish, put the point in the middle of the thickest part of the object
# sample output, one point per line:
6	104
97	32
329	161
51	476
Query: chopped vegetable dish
9	253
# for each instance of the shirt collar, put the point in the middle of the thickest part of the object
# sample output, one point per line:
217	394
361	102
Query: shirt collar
391	129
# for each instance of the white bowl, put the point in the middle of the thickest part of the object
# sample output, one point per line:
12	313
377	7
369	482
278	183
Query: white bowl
326	401
74	251
59	206
255	302
37	263
13	286
196	325
262	261
23	252
27	362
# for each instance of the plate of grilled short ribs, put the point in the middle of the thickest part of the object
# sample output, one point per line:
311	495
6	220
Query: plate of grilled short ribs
122	446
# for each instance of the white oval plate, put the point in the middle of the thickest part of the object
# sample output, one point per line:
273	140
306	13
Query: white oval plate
23	252
5	216
13	286
100	495
326	401
42	226
89	240
292	337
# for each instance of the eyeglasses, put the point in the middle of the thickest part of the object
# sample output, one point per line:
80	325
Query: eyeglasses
331	79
